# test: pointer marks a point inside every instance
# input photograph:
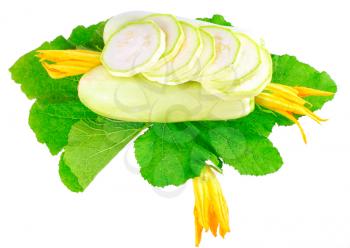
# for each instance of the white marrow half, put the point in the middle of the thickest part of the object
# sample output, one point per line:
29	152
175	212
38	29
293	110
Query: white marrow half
173	33
172	71
135	47
140	100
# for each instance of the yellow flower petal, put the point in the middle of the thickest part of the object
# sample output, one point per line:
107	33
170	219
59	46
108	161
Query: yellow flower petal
64	63
286	100
211	210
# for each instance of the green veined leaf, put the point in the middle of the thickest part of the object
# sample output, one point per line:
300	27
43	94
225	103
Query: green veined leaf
169	154
36	83
68	178
90	38
241	147
34	80
51	122
289	71
91	146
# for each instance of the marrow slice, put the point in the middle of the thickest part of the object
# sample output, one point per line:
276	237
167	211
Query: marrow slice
116	22
134	48
173	32
227	46
185	59
247	62
255	84
246	87
206	57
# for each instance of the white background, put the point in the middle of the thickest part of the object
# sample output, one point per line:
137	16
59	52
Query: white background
305	204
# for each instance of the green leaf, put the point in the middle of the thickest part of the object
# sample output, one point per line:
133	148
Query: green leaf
90	38
51	122
169	154
216	19
57	107
36	83
289	71
241	147
91	146
34	80
259	121
68	178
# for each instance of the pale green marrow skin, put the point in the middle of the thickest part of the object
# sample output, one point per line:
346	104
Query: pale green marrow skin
151	61
137	99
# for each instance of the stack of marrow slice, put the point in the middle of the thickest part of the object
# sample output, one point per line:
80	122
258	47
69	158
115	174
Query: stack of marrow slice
161	68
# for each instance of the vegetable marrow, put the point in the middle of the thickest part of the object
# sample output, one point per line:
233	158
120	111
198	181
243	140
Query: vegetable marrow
140	100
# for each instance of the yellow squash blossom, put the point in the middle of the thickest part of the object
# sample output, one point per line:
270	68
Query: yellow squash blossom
210	210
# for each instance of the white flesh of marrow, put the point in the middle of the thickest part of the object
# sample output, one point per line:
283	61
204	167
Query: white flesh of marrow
247	87
185	59
247	62
173	32
134	48
227	46
140	100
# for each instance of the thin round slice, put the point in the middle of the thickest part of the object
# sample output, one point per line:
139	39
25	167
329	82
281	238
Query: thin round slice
185	59
140	100
247	62
173	32
206	57
247	87
254	85
227	46
134	48
116	22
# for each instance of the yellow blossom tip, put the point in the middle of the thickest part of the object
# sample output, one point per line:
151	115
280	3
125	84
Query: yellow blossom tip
293	119
305	91
210	212
64	63
287	101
